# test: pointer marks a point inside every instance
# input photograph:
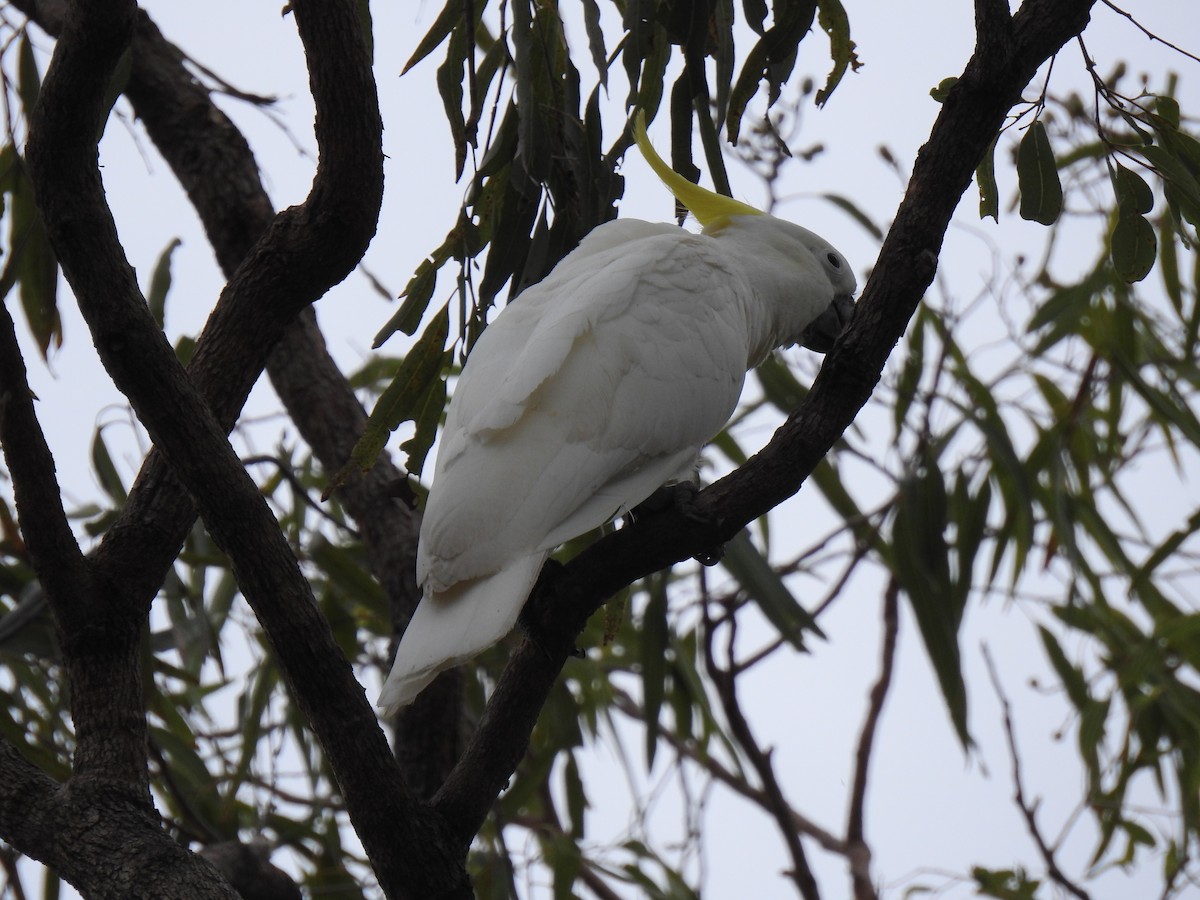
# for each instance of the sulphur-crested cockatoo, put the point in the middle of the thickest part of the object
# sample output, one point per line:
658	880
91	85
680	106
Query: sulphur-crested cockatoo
593	389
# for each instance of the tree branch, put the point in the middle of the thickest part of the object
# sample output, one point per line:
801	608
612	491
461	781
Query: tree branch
62	153
734	782
970	118
1028	812
98	837
859	853
215	165
776	804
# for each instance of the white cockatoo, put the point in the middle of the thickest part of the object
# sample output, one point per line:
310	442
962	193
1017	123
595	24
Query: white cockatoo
594	388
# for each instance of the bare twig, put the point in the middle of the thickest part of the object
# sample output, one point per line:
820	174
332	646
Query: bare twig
1147	32
734	782
726	685
285	472
1028	810
858	853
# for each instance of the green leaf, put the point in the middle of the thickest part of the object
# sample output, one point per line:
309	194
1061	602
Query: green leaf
1168	109
577	802
1133	194
920	562
833	20
427	419
910	371
1071	677
1180	184
1134	246
117	83
450	87
595	37
160	283
943	87
781	388
29	82
450	16
401	400
33	265
985	177
855	212
765	586
771	59
105	470
1037	177
652	654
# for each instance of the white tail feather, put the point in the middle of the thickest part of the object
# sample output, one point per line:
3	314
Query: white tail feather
454	625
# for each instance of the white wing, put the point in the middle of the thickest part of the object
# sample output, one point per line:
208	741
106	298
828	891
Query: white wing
591	390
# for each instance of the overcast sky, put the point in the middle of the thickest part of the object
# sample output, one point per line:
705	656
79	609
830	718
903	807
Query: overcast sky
931	807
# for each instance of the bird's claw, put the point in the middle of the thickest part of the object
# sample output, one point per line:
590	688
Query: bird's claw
681	495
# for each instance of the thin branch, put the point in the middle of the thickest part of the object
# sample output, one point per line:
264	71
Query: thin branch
1147	32
60	565
735	783
1028	811
859	852
283	467
12	874
777	805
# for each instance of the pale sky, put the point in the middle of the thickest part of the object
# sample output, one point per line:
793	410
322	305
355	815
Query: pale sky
932	811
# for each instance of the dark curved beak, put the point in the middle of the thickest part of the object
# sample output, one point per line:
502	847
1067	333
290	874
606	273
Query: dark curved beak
826	328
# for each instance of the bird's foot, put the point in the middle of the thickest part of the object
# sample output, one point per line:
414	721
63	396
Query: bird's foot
681	496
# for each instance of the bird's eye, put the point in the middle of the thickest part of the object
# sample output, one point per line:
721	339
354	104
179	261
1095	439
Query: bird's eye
834	260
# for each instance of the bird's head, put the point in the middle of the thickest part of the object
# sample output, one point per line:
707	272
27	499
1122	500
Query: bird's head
790	262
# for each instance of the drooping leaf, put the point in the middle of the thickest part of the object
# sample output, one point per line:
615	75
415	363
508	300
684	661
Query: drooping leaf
920	563
1133	194
106	471
1037	177
450	87
450	16
985	177
765	586
427	419
401	400
595	37
652	653
160	283
32	263
1134	246
833	20
29	81
771	59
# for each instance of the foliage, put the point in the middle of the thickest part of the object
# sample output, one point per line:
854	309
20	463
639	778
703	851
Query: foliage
1014	475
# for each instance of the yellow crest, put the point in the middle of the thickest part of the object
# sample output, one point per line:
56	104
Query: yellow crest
709	207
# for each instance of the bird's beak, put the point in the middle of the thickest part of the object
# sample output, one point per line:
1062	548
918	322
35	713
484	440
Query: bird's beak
826	328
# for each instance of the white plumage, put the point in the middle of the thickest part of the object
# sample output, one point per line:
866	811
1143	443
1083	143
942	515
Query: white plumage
591	390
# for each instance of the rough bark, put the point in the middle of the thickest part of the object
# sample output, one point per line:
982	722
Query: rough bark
216	167
305	250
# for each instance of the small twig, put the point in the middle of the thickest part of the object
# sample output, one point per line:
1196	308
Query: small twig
801	873
735	783
8	862
1147	32
301	491
1028	811
859	854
